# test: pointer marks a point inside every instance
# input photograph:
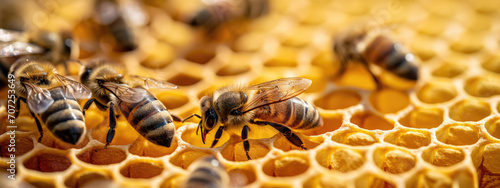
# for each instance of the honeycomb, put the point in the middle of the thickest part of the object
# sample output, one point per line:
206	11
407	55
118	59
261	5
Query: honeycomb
442	131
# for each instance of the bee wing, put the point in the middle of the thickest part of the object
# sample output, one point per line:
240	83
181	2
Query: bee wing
275	91
19	48
154	83
125	93
74	88
10	35
39	100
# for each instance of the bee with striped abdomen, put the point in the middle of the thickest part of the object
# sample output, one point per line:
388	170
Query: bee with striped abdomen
113	88
374	48
272	103
50	96
220	12
55	47
207	172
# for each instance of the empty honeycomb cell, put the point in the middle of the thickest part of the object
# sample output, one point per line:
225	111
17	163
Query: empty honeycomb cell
48	161
298	37
313	15
236	151
432	26
200	55
21	144
458	134
331	122
284	57
389	101
325	181
466	178
186	157
443	156
241	176
409	139
493	127
450	70
86	177
25	123
393	160
249	42
124	132
423	47
356	7
338	99
143	147
286	166
396	82
468	43
340	159
183	79
233	69
310	142
484	86
492	64
370	180
423	117
371	121
429	178
194	138
160	55
173	99
469	110
173	181
98	155
355	138
478	22
141	169
437	91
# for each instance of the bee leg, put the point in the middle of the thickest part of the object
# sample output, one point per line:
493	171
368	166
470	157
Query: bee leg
189	117
289	135
218	134
18	106
244	137
112	125
38	124
87	104
176	117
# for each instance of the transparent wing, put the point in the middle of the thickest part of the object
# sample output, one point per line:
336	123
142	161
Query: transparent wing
275	91
74	88
125	93
19	48
39	100
10	35
153	83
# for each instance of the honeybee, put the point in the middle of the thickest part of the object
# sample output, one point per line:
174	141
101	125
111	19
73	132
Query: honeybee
207	172
51	97
220	12
111	87
272	103
55	47
109	13
378	49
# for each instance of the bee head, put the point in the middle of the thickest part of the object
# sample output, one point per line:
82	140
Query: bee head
209	116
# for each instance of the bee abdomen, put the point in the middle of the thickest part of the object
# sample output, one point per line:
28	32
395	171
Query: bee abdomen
64	118
294	113
384	52
151	119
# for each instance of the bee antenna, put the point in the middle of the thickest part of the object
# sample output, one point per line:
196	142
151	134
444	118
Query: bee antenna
189	117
